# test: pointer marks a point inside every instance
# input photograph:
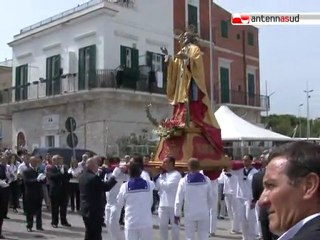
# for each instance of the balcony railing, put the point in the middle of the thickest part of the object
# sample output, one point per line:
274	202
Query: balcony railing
100	79
124	3
242	98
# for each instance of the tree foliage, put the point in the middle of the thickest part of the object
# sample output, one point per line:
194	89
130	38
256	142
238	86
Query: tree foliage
290	125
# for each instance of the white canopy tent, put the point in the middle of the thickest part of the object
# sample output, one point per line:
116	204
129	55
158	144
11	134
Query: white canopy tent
234	128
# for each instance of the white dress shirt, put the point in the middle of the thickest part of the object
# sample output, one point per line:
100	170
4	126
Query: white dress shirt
22	167
75	173
295	229
167	185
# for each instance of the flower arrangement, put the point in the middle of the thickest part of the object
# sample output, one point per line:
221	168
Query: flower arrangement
169	128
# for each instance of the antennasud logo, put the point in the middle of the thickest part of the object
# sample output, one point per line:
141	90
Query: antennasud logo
240	19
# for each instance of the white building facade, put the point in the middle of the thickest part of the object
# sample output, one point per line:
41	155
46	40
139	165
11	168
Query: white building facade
99	63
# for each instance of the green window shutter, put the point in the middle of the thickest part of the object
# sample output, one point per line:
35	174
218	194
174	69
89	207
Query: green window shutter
134	59
193	17
251	87
92	66
224	29
123	55
250	39
25	82
56	79
81	69
48	77
18	83
224	85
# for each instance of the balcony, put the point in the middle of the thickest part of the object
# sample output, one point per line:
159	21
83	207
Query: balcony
66	85
242	99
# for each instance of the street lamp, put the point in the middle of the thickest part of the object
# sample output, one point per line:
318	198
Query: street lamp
307	91
299	116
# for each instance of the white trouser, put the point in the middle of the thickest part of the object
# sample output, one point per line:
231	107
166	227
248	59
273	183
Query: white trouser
214	207
112	216
166	214
232	204
247	218
258	228
138	234
200	226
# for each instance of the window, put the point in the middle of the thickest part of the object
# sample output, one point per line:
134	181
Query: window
50	141
251	85
53	79
157	74
250	39
21	83
224	85
129	57
155	61
193	17
224	28
87	67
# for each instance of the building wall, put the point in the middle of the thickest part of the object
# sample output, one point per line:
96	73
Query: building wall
100	122
5	120
128	27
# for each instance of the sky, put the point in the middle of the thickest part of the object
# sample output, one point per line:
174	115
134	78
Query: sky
289	55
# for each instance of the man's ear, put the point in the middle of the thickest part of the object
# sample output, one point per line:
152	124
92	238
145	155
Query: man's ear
311	185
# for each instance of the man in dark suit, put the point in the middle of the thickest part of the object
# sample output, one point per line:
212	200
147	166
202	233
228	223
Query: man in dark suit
291	192
92	204
257	189
33	193
56	176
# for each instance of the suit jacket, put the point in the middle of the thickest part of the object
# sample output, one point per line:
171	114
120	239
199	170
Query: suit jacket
92	191
55	179
310	231
257	189
33	190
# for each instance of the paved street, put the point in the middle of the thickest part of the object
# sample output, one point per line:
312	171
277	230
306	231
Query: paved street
14	228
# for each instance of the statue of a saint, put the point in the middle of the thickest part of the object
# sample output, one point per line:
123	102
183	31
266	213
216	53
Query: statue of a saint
187	92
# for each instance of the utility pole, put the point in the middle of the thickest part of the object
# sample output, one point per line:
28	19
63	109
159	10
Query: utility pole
211	56
307	92
299	116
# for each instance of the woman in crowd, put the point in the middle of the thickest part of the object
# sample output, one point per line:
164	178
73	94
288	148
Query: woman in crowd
13	164
75	170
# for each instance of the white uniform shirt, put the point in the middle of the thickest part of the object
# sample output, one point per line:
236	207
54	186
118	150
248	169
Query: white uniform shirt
244	186
167	185
229	182
136	195
145	175
113	193
196	192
